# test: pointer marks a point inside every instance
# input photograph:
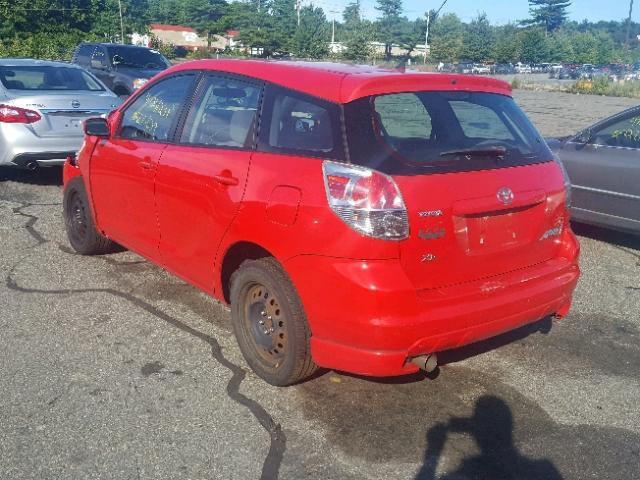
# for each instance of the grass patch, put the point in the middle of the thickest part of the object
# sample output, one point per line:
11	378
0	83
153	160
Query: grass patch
604	86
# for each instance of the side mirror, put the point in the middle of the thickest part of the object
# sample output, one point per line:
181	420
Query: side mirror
97	127
584	137
117	60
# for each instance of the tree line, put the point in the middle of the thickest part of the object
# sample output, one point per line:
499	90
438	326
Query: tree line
51	28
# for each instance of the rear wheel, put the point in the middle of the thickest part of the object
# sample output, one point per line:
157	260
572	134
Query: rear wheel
270	324
81	230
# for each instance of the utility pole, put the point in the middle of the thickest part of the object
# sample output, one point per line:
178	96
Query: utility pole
121	24
298	7
426	35
629	25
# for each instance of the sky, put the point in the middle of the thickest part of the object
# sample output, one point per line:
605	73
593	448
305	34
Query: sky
499	11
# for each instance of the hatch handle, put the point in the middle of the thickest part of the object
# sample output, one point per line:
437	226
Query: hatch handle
474	206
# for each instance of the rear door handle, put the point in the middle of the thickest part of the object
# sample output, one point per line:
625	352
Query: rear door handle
226	179
146	164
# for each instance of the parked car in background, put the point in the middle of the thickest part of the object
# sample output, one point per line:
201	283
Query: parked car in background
603	163
42	106
503	69
123	68
554	70
480	69
523	68
465	68
564	74
387	216
446	68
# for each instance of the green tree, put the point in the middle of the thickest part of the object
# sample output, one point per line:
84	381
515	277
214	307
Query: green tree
283	25
206	16
389	26
505	49
358	34
550	14
560	47
445	38
585	47
311	39
533	45
478	39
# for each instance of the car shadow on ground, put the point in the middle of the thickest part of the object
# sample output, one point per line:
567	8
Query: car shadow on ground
40	176
614	237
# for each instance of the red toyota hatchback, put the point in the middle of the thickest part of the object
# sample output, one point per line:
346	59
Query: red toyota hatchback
354	218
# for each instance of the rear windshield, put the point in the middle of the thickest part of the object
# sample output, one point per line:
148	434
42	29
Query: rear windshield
439	132
41	77
137	58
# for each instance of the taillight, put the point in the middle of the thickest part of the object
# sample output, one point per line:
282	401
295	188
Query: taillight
368	201
11	114
567	180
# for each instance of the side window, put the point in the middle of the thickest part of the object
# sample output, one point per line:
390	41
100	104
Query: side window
224	114
300	124
624	133
98	58
403	116
153	113
83	54
478	121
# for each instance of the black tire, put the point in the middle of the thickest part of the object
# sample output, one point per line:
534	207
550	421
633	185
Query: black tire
270	323
78	220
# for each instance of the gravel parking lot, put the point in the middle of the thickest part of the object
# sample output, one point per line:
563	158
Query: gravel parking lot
112	368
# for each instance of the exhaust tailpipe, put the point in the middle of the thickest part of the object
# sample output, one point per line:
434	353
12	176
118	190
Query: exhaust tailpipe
428	363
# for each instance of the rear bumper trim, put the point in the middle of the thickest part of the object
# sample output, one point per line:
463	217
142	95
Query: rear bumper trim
50	158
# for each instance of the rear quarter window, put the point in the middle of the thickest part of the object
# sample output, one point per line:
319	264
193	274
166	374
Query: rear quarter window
298	124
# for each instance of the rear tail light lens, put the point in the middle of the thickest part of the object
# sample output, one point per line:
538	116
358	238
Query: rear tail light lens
11	114
368	201
567	181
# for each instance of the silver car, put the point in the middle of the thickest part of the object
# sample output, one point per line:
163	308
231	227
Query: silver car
42	106
603	163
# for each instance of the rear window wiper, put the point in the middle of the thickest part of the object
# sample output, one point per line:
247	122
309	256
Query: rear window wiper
477	152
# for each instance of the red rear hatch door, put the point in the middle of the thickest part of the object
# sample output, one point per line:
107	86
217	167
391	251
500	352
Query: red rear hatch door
474	225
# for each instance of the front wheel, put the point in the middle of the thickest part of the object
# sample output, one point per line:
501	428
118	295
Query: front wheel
78	219
270	324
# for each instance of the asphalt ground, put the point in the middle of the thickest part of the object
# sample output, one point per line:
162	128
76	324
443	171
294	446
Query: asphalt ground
113	368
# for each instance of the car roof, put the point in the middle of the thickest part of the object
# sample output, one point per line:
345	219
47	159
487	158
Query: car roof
109	44
342	83
28	62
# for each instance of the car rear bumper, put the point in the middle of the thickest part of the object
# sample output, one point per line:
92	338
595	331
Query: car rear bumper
21	147
366	317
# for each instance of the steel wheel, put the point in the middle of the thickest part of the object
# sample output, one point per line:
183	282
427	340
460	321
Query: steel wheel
264	320
269	323
78	219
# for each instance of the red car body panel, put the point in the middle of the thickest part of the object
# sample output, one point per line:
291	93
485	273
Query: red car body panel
371	303
344	83
203	187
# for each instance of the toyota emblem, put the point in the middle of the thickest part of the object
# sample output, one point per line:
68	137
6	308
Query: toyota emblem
505	196
75	103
